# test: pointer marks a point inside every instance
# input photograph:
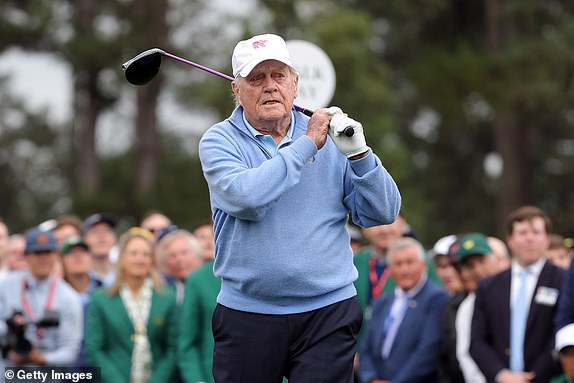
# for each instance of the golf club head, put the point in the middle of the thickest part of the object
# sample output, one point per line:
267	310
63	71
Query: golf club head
144	67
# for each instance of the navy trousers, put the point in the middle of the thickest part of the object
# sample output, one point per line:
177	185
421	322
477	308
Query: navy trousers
311	347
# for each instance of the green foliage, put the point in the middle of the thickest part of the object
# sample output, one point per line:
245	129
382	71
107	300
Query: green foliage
424	77
181	193
32	179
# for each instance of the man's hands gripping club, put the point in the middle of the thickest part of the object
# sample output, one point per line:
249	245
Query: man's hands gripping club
333	121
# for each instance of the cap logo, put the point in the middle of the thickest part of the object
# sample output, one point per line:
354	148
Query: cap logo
259	44
42	239
468	244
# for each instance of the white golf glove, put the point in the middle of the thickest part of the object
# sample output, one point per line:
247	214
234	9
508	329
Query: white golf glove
349	146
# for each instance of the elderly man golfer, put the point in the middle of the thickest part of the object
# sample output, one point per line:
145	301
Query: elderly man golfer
281	191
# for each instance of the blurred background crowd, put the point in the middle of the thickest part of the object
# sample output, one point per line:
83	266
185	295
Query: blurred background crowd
137	301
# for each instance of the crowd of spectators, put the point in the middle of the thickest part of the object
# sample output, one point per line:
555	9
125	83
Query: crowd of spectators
138	303
82	293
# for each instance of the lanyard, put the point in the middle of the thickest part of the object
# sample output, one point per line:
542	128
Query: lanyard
377	283
28	307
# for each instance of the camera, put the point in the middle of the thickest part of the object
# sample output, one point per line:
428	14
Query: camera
16	337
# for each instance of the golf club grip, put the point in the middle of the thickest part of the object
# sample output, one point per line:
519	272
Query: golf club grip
306	112
349	131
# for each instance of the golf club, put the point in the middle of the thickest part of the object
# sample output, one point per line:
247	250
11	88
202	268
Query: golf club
144	67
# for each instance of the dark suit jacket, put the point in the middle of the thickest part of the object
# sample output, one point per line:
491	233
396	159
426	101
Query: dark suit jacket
565	314
490	337
415	351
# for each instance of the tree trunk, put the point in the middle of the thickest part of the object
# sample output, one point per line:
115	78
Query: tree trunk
148	142
153	28
511	133
87	108
511	137
86	113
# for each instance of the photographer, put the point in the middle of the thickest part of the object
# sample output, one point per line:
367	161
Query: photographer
40	315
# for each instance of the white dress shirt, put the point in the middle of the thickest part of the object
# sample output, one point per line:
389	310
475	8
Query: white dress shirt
463	321
531	280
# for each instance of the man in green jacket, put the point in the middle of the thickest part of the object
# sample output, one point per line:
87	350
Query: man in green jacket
195	344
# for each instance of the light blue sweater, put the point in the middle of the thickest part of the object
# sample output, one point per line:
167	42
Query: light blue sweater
281	246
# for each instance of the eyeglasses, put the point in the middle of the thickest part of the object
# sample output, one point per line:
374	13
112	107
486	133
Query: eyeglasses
136	230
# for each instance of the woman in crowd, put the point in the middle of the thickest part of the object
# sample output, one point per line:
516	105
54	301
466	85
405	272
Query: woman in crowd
131	334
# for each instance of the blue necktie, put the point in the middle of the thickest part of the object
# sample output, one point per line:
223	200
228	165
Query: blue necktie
519	315
392	323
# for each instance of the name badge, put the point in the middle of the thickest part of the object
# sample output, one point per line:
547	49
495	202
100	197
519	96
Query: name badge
546	296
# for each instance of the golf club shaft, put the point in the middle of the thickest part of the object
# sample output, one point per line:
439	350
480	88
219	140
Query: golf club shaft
222	75
212	71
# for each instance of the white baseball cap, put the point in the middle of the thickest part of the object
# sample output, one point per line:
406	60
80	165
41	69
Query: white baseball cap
248	53
442	246
564	337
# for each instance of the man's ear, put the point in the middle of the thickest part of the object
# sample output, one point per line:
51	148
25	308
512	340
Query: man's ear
235	89
296	80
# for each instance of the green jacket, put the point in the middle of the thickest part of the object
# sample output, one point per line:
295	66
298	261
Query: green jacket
109	333
195	343
561	379
363	283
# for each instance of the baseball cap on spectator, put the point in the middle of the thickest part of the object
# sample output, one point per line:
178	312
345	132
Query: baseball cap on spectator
165	231
94	219
248	53
564	337
442	246
38	241
73	242
472	244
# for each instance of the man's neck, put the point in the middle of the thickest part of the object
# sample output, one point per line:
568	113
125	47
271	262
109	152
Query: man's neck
277	132
40	278
80	282
525	263
277	129
102	267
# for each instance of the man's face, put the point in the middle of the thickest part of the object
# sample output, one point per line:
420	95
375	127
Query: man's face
3	241
407	267
155	223
267	93
64	232
77	261
100	239
476	267
529	240
41	264
500	257
180	258
16	249
380	237
559	257
567	361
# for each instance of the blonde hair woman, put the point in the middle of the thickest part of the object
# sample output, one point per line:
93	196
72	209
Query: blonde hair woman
131	326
